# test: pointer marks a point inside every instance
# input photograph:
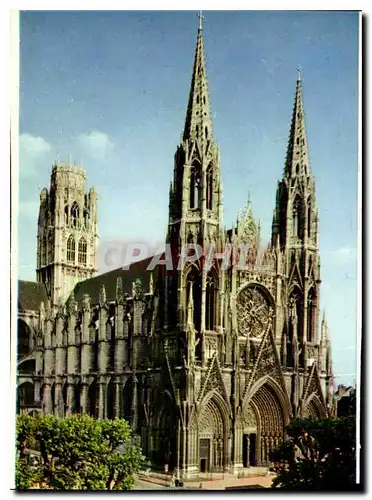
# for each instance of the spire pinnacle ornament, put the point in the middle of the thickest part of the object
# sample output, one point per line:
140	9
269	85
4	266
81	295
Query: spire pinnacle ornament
201	18
298	73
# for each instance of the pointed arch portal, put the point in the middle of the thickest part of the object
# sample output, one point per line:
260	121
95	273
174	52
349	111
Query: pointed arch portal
263	426
213	435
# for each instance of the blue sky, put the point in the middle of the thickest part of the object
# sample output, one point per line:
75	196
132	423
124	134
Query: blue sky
110	90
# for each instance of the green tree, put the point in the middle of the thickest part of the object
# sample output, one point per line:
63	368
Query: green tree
77	452
317	455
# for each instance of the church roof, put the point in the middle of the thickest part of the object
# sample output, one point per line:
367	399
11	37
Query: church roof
30	295
92	286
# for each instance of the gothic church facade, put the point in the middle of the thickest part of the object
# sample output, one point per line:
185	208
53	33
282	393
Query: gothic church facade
209	361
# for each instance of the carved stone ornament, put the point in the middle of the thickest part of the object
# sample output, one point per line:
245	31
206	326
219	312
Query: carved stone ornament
253	312
250	417
137	288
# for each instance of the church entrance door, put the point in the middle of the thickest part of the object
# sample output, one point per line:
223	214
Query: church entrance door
252	450
204	455
245	450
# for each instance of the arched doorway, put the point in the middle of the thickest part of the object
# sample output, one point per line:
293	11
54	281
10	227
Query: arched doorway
250	425
212	431
313	408
269	418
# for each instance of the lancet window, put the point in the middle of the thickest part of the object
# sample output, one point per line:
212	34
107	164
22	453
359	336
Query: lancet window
311	308
210	302
210	187
71	249
297	219
195	186
82	251
75	215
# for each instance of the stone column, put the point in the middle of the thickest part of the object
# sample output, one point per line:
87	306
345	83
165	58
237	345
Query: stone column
58	400
85	361
235	445
47	403
69	399
102	341
119	337
134	413
84	397
184	448
59	346
284	350
117	399
101	399
305	320
48	353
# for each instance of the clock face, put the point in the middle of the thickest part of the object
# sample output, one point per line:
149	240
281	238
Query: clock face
253	312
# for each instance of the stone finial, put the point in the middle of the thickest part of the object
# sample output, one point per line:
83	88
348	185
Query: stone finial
200	18
190	308
72	305
86	303
61	308
151	283
43	194
48	310
102	296
41	317
298	73
119	291
137	288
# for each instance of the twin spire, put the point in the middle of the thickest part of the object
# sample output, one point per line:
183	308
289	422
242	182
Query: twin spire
198	124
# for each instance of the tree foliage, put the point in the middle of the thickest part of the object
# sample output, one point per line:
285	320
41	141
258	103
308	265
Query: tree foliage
77	452
318	455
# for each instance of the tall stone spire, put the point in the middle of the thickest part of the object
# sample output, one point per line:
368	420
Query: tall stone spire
297	161
198	118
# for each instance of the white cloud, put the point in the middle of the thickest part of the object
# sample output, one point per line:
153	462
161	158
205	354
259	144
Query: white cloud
95	144
33	146
31	150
